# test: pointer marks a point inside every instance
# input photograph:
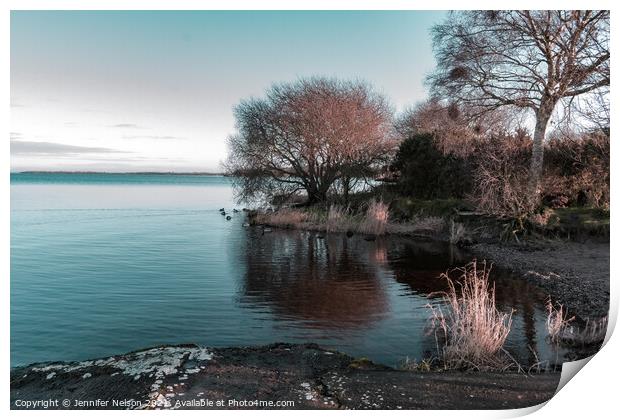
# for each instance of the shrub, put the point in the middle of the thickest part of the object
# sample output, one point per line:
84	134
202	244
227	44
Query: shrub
473	328
427	173
494	172
501	177
577	171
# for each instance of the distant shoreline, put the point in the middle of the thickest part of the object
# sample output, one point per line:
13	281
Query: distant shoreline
118	173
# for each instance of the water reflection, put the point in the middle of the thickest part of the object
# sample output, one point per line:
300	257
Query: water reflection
341	287
100	268
325	282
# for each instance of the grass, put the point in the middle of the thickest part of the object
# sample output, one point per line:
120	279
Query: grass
571	222
408	208
376	219
592	334
361	363
557	322
291	218
561	331
336	219
473	329
458	232
424	365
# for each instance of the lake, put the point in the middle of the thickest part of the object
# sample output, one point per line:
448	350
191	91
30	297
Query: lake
103	264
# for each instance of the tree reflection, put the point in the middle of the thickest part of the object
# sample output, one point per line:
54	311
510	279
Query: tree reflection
329	282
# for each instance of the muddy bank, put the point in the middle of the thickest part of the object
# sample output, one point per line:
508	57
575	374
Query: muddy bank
574	274
304	376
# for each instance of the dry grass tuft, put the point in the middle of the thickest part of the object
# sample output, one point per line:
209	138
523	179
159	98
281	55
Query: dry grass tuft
473	328
457	232
376	219
336	219
293	218
561	331
557	322
593	333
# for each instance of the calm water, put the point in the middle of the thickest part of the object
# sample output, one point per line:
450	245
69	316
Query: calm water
106	264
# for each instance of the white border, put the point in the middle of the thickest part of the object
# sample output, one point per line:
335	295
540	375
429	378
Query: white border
591	395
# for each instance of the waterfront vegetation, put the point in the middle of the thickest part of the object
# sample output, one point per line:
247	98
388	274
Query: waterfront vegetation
472	330
478	161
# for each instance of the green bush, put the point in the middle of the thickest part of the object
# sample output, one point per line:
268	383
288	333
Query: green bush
427	173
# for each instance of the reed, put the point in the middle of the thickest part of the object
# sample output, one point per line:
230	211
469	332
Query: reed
292	218
336	219
473	329
561	330
376	219
557	322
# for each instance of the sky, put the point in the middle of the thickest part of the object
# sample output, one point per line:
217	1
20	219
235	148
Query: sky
123	91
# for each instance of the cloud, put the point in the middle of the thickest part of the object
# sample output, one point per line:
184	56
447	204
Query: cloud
154	137
38	148
126	125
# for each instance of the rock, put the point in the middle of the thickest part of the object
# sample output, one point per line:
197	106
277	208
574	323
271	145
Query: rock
306	374
228	217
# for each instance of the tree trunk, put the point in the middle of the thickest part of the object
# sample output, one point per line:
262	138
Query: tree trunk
316	196
346	186
543	115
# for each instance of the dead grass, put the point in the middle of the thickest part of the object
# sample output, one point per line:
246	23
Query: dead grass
457	232
593	333
376	219
336	219
473	329
561	330
427	226
292	218
557	322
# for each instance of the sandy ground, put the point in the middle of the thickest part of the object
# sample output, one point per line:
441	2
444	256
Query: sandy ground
574	274
306	376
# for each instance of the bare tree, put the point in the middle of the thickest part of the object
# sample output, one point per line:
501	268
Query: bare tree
523	59
450	126
309	136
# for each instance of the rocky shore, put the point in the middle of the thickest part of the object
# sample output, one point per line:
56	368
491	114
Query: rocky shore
303	376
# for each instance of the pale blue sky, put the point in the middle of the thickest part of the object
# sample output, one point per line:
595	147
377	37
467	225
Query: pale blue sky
123	91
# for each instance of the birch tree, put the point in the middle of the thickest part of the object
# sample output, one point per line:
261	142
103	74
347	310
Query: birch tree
531	60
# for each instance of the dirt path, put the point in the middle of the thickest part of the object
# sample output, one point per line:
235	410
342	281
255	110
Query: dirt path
574	274
307	376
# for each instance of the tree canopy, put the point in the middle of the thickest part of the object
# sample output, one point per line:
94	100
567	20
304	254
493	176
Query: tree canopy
522	59
311	136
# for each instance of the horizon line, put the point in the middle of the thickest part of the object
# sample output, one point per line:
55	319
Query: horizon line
121	173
